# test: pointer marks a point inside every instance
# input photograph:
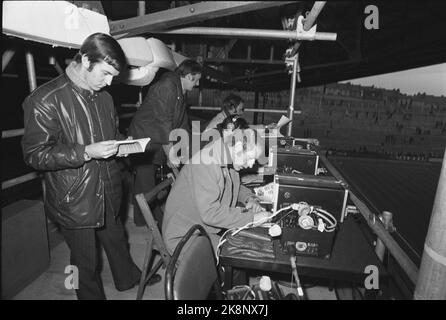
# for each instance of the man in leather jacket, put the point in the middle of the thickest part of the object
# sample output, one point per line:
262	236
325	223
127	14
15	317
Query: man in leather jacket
162	111
70	134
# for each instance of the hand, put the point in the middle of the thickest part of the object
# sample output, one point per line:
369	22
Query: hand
102	150
172	165
254	205
124	154
260	218
271	126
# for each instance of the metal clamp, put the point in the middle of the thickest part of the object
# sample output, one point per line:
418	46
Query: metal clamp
301	33
386	218
291	60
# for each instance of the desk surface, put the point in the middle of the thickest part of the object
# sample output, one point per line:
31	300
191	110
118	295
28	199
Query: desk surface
351	254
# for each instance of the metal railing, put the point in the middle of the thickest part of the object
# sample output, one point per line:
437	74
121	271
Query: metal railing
378	228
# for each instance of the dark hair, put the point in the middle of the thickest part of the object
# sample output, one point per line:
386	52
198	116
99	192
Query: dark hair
231	123
231	102
250	139
188	66
102	47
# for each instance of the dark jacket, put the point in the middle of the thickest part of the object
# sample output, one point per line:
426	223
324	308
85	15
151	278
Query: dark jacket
162	110
60	120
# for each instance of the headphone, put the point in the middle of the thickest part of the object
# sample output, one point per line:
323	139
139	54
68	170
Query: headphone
311	217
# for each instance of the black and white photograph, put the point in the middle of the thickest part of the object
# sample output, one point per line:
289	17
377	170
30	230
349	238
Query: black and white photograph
226	153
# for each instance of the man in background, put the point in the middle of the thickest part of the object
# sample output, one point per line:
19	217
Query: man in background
162	111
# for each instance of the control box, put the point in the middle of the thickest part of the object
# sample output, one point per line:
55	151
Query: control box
293	160
327	198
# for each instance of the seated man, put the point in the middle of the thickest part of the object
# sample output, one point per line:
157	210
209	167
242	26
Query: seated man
231	123
232	105
223	129
208	188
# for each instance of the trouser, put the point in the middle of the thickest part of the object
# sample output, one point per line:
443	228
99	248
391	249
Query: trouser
85	256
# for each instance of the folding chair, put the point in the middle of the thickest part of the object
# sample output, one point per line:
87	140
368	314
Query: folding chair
196	274
155	241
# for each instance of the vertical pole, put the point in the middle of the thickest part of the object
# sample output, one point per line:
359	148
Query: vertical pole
6	57
271	53
292	96
431	282
256	105
140	96
32	86
52	61
386	217
31	71
200	96
141	8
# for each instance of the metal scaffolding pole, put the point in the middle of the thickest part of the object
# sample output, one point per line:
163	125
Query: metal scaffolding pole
431	283
308	24
141	8
246	109
52	61
31	71
30	67
6	58
309	21
292	96
13	182
251	33
12	133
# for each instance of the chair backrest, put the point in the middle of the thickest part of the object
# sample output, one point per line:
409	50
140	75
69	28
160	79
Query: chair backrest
196	273
143	201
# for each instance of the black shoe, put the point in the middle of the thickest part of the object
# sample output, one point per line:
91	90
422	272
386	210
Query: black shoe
136	276
154	279
128	287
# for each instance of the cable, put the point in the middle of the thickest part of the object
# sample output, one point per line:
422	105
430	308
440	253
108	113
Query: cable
328	217
246	226
300	292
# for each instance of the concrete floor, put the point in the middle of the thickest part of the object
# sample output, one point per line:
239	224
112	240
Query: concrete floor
51	284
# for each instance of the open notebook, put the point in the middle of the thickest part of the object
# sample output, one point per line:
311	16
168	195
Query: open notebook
132	146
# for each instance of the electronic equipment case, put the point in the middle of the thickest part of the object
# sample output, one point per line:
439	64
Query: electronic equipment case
326	193
294	160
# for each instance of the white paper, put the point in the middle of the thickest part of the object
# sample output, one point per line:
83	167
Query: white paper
283	121
132	146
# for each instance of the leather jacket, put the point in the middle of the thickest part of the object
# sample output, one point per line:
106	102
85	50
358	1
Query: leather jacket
61	118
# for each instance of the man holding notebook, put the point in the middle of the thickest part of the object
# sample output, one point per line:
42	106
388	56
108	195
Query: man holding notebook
71	134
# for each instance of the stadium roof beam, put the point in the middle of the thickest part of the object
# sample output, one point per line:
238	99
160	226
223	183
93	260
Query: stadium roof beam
186	14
